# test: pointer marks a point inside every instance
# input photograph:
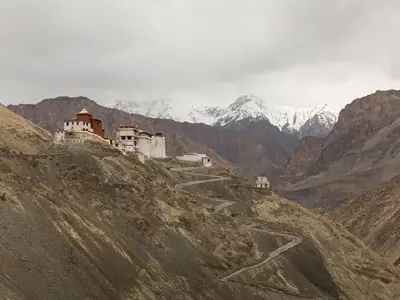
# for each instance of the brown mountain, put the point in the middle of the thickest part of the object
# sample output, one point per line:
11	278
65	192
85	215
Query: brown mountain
374	216
257	147
361	152
302	159
90	223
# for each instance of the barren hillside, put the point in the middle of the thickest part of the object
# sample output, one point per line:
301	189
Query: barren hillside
20	134
89	223
374	217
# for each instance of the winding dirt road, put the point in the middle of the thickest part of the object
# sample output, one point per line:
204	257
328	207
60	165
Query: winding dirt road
226	203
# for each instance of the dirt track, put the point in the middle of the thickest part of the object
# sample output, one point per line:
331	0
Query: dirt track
295	240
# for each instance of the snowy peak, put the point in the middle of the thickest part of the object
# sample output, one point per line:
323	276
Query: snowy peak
161	109
284	117
320	118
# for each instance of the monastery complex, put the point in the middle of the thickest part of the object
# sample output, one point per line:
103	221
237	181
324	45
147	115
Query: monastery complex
128	139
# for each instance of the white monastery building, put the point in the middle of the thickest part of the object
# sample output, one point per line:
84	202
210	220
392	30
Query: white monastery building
196	157
129	139
83	127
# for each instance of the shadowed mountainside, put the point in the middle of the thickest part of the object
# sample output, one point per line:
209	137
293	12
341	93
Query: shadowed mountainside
257	147
133	235
374	217
361	152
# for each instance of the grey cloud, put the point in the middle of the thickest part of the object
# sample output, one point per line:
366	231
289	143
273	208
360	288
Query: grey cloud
191	49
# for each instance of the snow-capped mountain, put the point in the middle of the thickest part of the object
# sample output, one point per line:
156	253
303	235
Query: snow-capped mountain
317	120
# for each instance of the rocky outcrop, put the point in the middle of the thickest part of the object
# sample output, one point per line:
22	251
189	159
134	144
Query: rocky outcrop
357	123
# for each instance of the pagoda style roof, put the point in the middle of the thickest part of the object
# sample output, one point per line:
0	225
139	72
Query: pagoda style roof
84	112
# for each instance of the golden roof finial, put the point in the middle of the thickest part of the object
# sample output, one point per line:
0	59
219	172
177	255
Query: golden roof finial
83	111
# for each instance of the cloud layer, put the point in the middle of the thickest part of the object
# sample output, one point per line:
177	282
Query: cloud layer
285	51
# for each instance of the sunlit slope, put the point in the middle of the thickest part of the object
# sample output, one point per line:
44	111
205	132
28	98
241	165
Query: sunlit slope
20	134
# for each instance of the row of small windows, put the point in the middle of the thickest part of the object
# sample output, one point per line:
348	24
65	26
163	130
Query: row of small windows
76	123
129	137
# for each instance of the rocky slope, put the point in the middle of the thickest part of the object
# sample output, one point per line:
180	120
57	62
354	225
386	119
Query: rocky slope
361	152
374	217
256	146
315	121
132	235
302	159
26	137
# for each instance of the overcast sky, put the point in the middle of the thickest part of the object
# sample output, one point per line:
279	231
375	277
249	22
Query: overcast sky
298	53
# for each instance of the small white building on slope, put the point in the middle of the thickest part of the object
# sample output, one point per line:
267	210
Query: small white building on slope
196	157
262	182
129	140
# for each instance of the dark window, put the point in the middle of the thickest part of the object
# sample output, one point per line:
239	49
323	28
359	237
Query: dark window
67	123
129	137
122	137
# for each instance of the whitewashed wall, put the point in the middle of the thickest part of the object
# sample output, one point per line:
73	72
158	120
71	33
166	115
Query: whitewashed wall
158	147
195	157
206	161
59	137
144	145
126	132
77	125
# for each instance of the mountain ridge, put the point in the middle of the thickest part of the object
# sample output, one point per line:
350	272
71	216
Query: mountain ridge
360	152
317	120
